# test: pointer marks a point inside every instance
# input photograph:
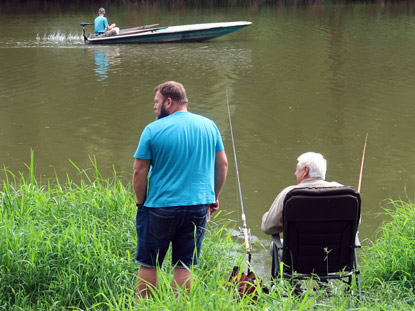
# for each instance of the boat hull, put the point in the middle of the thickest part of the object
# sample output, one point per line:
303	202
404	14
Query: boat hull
185	33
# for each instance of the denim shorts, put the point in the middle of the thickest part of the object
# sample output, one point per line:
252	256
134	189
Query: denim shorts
183	226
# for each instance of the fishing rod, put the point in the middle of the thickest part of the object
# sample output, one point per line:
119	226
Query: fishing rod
361	166
244	229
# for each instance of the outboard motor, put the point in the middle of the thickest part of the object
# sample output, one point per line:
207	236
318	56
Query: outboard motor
83	29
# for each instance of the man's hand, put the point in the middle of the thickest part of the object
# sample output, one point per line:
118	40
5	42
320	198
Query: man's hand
140	172
213	207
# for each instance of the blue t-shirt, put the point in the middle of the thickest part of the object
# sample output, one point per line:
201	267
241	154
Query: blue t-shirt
101	24
182	149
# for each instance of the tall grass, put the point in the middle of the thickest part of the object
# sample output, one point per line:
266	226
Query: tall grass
392	258
67	245
389	263
70	246
64	245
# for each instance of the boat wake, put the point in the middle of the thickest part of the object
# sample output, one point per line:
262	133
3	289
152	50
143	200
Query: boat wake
59	37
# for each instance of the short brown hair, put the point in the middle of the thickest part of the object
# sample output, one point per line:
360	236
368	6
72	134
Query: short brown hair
174	90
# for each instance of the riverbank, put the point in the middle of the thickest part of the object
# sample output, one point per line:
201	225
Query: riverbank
69	245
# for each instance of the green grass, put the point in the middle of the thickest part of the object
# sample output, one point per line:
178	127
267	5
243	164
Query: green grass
65	245
388	266
70	246
392	258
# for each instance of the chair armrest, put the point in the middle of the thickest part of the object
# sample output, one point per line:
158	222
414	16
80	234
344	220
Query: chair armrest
357	241
277	241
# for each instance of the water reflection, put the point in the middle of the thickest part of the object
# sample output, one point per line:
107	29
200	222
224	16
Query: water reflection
313	77
104	58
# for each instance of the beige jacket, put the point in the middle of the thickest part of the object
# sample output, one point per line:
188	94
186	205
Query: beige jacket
272	220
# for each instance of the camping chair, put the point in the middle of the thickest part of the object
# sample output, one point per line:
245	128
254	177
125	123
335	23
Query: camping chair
319	236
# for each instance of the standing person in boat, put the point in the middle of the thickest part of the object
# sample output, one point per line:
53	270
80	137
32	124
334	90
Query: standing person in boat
310	172
185	156
102	26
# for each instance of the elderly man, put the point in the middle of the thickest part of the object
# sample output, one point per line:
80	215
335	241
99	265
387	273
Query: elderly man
310	172
188	169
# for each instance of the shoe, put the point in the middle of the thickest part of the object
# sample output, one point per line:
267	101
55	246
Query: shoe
327	286
297	290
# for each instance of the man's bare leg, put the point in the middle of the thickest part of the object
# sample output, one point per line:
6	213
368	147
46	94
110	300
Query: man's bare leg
146	279
181	276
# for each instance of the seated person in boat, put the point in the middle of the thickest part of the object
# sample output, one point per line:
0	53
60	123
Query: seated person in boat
310	172
102	27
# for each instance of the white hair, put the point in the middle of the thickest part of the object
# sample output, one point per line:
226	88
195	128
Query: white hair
315	162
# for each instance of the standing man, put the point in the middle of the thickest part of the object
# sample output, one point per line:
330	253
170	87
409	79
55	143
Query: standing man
101	23
185	156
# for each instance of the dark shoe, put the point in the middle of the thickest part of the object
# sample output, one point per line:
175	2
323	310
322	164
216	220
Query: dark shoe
327	286
297	290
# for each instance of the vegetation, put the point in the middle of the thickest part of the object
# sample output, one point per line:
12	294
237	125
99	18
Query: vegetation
389	264
71	246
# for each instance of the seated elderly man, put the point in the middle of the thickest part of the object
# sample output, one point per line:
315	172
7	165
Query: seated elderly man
310	172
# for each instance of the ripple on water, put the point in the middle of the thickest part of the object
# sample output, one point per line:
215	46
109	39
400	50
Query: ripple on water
59	37
47	40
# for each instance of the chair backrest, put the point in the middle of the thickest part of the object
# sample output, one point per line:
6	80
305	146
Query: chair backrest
320	226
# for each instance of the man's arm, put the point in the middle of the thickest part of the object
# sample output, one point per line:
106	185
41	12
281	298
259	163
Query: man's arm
221	170
272	220
112	26
141	168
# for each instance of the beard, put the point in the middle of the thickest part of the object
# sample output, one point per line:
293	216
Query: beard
163	111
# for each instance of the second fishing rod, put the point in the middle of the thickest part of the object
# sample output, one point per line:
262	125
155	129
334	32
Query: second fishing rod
244	229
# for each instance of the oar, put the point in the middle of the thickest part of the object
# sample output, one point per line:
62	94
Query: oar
146	26
133	29
361	166
244	228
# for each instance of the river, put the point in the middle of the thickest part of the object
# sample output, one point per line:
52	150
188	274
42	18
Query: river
301	78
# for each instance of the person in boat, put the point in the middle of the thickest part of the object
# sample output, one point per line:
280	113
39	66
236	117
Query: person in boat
310	172
102	26
180	168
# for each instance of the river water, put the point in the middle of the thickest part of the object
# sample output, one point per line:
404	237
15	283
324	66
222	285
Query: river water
300	78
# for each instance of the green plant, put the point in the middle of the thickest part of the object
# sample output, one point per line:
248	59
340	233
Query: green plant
392	257
71	246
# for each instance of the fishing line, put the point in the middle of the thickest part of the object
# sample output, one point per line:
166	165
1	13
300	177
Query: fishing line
244	228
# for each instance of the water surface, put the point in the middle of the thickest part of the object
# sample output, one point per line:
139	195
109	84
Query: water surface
301	78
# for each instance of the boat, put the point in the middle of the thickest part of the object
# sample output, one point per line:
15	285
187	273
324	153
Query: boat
154	34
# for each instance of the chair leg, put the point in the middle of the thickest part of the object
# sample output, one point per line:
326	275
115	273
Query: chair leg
274	267
348	283
359	291
272	271
357	272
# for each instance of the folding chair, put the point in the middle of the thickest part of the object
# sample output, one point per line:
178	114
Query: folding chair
319	236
